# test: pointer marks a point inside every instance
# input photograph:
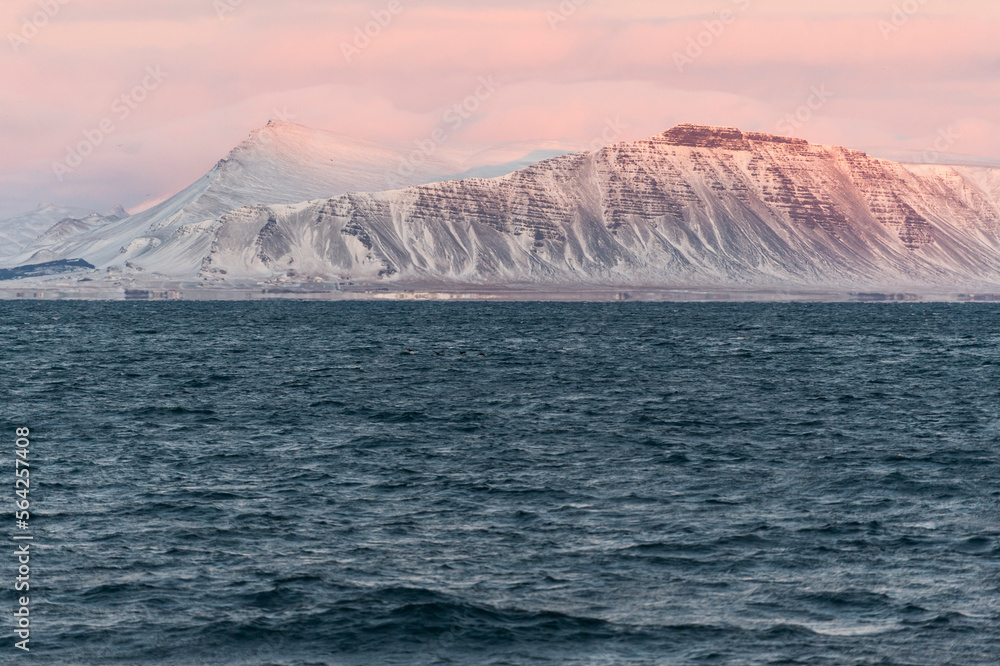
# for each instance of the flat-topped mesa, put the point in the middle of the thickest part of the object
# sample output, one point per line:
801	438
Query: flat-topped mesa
726	138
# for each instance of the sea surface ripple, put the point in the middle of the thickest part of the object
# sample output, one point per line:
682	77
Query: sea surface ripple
387	483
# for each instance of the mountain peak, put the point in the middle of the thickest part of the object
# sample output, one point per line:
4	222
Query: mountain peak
282	135
275	129
278	124
726	138
276	135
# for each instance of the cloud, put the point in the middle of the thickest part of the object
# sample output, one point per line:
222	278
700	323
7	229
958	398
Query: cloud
936	68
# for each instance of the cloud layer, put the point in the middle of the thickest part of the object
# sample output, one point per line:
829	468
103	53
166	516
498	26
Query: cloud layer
894	73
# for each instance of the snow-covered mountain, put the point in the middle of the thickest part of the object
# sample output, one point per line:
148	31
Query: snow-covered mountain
72	228
282	163
693	207
17	232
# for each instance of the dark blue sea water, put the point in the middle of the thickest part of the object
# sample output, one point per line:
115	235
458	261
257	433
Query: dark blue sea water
296	483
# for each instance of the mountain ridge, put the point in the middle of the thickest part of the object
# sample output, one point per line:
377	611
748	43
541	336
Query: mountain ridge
693	206
280	163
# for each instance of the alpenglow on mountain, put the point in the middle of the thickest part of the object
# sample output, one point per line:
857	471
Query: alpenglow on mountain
695	206
280	163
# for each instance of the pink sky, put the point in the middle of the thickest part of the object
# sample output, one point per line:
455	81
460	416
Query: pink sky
898	73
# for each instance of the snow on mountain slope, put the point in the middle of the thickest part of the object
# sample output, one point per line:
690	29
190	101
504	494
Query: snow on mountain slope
17	232
695	206
68	229
931	157
282	163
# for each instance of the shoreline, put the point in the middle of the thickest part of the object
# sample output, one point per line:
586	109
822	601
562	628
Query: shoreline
194	291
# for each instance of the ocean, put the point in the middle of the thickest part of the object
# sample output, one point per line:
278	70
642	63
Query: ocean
297	484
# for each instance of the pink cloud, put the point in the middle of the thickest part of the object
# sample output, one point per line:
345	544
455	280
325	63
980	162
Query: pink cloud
604	61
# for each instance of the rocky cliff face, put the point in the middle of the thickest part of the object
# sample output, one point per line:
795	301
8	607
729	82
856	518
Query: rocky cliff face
695	206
